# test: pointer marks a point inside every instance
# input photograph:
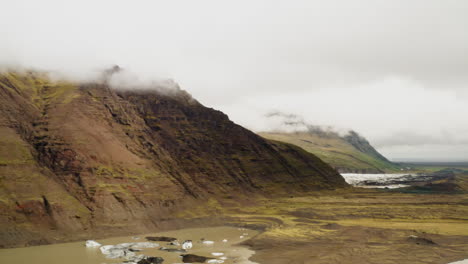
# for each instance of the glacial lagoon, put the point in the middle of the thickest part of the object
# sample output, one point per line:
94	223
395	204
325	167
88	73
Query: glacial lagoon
222	246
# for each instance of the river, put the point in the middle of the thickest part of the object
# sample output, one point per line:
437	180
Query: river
388	180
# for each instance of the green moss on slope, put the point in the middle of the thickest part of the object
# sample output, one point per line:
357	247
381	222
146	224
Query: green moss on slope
336	151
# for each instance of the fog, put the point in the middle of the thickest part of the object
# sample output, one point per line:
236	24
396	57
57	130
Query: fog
395	71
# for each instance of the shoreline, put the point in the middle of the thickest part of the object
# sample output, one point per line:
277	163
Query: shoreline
222	243
352	225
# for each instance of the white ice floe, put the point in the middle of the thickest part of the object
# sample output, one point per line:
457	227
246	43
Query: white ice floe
106	249
225	240
123	250
208	242
187	244
114	252
134	259
241	237
144	245
215	261
465	261
92	243
217	254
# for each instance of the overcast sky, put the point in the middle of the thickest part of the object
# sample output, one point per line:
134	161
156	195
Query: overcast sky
395	71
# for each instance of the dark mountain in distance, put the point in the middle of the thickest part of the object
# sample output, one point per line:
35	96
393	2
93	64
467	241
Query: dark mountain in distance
82	159
363	145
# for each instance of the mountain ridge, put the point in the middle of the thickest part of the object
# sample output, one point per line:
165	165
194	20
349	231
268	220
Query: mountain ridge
349	153
84	158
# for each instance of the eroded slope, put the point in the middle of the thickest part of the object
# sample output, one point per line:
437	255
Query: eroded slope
81	159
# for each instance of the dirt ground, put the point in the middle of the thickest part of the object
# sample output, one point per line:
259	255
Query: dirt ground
358	226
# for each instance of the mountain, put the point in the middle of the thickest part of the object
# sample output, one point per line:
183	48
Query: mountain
348	153
81	160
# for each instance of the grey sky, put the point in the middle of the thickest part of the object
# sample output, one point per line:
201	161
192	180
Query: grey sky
395	71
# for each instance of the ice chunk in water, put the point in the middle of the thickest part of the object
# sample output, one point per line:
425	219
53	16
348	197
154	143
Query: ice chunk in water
92	243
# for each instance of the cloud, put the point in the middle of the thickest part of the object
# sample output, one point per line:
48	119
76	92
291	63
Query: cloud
418	139
126	80
379	67
392	112
286	122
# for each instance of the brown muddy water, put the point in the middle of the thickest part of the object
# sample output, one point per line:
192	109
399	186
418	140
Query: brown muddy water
77	253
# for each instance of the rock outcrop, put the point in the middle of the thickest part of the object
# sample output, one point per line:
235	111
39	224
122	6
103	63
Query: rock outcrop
87	159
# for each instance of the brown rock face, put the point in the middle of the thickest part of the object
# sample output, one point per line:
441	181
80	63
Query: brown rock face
86	159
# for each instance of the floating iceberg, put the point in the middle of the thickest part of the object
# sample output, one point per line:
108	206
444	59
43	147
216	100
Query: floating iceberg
92	243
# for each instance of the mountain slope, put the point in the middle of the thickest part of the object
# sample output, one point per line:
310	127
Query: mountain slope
349	153
85	159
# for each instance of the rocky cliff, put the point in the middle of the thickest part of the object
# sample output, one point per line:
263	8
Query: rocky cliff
363	145
82	159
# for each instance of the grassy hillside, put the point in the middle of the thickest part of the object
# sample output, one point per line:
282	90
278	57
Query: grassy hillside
82	158
350	153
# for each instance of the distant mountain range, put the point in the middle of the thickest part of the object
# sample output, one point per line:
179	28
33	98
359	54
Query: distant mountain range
346	153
